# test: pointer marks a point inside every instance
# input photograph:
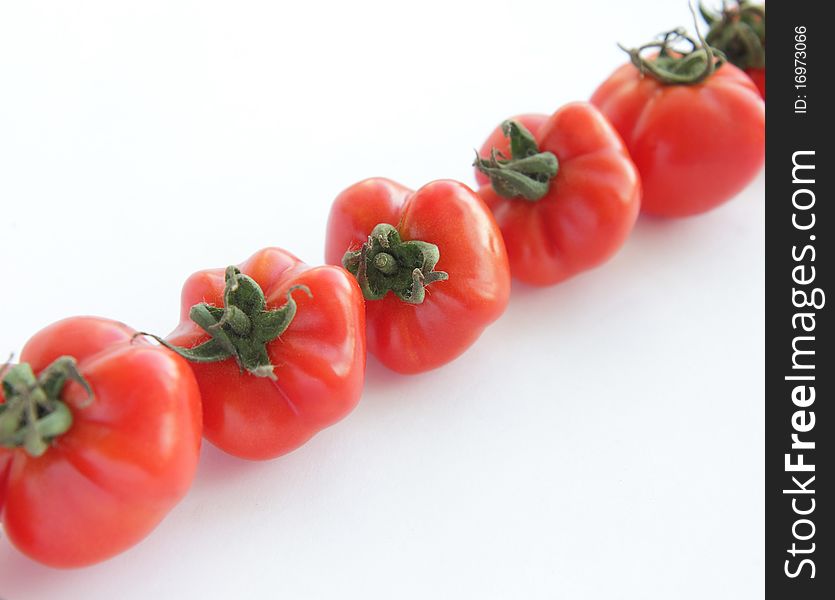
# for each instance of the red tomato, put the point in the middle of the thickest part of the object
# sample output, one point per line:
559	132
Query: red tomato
311	375
127	455
695	145
758	77
585	212
420	318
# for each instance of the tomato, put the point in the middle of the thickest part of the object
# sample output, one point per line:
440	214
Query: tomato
576	215
696	143
758	77
296	359
112	447
739	32
431	264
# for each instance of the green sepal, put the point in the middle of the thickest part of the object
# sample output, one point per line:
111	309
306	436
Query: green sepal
527	173
739	32
241	328
522	142
674	65
385	263
33	414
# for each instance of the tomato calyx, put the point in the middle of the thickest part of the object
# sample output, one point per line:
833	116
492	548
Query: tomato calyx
674	65
385	263
33	414
739	32
527	173
241	328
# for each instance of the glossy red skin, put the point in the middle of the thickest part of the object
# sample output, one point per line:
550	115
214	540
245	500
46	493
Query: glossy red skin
319	359
695	146
128	458
411	338
758	77
591	205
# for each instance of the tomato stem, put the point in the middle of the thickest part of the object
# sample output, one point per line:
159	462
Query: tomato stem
527	173
33	414
739	32
674	65
241	328
385	263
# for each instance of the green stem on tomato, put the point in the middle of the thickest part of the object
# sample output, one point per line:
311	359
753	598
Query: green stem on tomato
33	413
676	66
527	173
739	32
241	328
385	263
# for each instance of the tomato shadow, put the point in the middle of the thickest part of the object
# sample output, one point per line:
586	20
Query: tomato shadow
582	304
573	303
390	385
381	377
17	572
389	397
216	467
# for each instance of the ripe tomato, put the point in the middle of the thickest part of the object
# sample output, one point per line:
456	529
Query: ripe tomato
697	142
392	239
90	472
758	77
572	217
296	362
739	32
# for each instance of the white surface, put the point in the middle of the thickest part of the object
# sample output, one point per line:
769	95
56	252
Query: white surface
602	440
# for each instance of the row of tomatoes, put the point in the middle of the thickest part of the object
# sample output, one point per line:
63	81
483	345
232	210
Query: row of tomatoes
100	429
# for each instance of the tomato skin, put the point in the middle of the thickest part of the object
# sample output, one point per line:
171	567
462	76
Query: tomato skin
758	77
591	205
411	338
320	358
695	146
128	458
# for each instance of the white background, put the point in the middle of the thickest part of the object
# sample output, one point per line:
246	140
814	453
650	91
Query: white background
602	440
